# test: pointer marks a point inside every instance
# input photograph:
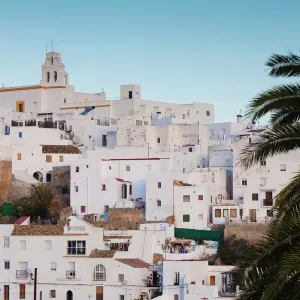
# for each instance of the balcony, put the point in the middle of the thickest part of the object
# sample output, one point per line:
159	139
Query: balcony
47	124
21	274
76	251
267	202
70	274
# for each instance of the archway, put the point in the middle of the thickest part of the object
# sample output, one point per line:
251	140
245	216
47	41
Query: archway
69	295
38	176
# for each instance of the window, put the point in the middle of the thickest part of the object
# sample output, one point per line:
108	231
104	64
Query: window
104	140
109	167
225	213
176	297
233	213
22	291
244	181
121	277
186	218
55	76
124	191
6	241
190	149
263	163
159	185
99	273
158	203
186	198
49	177
20	135
48	245
220	196
48	76
130	94
127	168
282	167
254	197
7	265
82	209
19	156
176	278
76	248
53	266
207	113
200	217
158	140
20	105
7	130
52	294
76	189
145	122
122	297
218	213
130	189
200	197
76	169
48	158
103	187
65	100
138	123
22	245
52	61
61	158
87	166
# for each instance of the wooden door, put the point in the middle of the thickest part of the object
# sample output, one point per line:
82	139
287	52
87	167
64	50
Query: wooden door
6	292
99	292
212	280
252	215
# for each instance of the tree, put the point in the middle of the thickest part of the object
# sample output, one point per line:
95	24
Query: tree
41	196
235	251
274	271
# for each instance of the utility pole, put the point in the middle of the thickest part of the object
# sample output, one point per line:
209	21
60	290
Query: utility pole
35	280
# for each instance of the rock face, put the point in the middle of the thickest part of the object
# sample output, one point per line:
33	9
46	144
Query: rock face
61	185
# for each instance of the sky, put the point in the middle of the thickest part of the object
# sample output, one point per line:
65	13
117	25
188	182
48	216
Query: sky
210	51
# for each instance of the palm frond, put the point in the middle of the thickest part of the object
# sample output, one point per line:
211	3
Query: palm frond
284	65
276	140
273	100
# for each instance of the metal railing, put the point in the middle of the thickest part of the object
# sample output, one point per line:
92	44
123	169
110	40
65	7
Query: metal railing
21	274
76	251
267	202
70	274
47	124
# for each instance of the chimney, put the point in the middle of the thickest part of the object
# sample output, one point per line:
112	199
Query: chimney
239	117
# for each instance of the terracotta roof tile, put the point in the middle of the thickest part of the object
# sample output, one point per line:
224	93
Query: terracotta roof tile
133	262
64	149
21	220
38	230
125	237
102	253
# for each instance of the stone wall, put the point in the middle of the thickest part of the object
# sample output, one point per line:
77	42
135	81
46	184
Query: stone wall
18	189
5	179
126	214
253	232
61	185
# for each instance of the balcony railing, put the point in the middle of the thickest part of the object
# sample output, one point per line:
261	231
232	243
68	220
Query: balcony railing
21	274
76	251
176	282
267	202
47	124
70	274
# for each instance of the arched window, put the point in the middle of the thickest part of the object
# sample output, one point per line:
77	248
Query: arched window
55	76
48	76
38	176
99	273
49	177
52	61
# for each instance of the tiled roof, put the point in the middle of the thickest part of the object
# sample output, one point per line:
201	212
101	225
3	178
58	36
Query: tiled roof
121	180
157	257
102	253
133	262
38	230
63	149
21	220
154	158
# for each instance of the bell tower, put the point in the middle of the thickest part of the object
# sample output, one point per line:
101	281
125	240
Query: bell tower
53	71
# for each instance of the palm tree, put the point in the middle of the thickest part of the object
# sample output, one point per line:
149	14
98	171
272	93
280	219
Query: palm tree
274	271
41	196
